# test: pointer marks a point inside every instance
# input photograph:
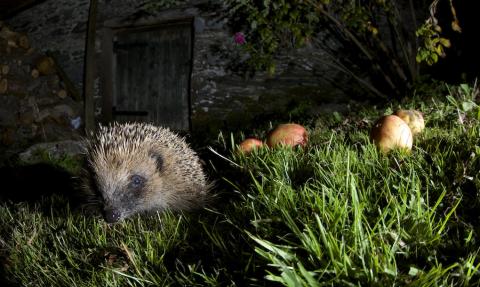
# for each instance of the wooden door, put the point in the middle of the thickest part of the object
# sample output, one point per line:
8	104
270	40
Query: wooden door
151	75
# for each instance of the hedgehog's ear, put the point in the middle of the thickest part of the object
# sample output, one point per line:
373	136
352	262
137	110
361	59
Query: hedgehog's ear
158	160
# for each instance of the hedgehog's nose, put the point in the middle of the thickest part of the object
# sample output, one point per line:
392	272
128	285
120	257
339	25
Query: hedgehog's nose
111	215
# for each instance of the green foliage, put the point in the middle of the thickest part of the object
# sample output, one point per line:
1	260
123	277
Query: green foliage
59	248
363	218
432	44
370	41
273	26
337	213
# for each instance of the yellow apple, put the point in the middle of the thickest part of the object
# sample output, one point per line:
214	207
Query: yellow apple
413	118
390	132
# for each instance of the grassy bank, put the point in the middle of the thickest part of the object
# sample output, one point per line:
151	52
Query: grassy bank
337	213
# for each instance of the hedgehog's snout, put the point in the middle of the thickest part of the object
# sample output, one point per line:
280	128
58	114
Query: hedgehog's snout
111	215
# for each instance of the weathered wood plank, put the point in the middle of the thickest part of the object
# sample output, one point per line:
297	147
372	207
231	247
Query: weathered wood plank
90	68
152	75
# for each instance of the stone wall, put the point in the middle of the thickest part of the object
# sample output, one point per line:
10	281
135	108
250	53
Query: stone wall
221	98
35	105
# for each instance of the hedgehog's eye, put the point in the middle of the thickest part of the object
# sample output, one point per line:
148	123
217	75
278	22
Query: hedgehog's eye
136	181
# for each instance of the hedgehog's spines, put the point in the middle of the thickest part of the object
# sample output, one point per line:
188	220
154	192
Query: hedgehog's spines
118	151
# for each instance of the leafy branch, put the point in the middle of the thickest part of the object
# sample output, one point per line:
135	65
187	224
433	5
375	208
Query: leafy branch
372	41
433	45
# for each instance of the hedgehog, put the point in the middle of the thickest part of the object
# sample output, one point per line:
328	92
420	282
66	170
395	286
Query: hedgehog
139	167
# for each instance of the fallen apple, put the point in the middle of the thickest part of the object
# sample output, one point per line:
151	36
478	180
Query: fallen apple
288	135
390	132
413	118
249	144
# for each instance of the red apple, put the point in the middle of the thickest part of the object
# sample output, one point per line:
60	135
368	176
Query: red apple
390	132
288	135
249	144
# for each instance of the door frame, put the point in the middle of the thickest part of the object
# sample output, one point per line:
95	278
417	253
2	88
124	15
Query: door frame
110	30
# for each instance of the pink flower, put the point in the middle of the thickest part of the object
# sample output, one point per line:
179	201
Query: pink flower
239	38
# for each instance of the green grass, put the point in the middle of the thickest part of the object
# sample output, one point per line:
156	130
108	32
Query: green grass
337	213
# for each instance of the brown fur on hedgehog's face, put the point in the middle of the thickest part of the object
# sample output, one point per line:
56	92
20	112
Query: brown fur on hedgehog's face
130	184
139	167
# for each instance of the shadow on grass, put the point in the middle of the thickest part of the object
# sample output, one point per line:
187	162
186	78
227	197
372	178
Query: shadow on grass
3	274
35	185
32	182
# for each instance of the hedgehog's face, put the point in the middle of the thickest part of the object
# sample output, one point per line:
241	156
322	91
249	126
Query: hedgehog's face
138	167
129	183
